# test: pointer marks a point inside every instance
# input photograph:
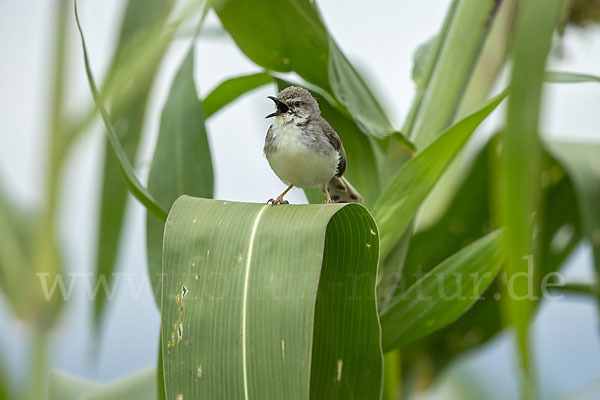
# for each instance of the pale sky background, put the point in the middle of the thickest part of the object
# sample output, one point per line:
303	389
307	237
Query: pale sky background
565	335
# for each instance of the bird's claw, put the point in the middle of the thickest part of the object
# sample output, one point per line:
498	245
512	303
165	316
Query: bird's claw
278	200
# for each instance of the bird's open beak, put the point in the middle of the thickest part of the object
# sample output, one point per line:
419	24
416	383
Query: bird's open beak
282	108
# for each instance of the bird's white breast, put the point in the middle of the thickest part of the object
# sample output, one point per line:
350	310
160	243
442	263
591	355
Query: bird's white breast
298	160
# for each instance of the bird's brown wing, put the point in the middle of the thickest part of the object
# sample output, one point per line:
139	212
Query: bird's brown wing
336	143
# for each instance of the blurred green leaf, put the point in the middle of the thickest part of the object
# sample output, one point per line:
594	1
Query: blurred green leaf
264	302
141	386
143	21
16	230
422	60
468	218
442	295
392	268
570	77
360	155
401	199
181	164
124	164
582	163
286	37
270	36
4	389
352	91
519	167
445	67
231	89
160	372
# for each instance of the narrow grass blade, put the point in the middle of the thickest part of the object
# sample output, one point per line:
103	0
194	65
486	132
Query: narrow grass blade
182	161
443	295
130	77
519	167
569	77
265	301
125	166
141	386
231	89
401	199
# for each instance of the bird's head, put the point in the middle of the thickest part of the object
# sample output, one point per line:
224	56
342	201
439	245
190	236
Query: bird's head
295	104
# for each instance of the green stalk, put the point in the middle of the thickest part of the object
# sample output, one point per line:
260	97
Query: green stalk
45	250
39	367
463	35
581	289
518	170
418	101
392	378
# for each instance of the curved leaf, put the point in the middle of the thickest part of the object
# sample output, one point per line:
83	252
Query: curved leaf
182	162
292	37
401	199
442	295
231	89
569	77
265	301
125	166
518	170
467	219
352	91
141	386
288	37
582	163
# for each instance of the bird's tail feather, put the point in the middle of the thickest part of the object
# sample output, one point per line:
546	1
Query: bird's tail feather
341	191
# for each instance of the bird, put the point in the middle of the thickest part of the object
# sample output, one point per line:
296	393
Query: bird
304	150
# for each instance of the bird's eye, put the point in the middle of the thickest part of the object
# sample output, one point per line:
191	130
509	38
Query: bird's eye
297	104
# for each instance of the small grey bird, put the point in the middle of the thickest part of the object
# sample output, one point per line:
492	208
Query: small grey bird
303	149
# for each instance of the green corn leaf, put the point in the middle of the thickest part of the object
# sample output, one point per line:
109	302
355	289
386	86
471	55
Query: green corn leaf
467	219
352	91
279	45
569	77
231	89
270	302
442	296
518	170
140	18
582	163
127	171
447	64
400	200
141	386
288	37
16	230
182	162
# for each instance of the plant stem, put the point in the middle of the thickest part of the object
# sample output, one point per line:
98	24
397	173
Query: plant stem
458	53
586	289
392	376
38	366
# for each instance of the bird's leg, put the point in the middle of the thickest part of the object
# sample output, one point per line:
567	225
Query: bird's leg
328	201
279	199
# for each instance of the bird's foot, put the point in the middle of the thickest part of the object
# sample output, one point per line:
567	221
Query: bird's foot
278	200
328	201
